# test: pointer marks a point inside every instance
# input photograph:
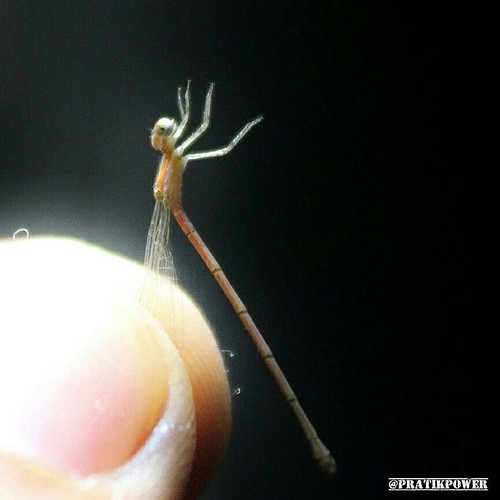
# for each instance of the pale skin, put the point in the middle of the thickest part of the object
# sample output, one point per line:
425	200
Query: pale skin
97	400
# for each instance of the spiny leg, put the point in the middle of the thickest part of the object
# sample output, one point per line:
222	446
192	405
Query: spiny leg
183	109
204	124
180	105
226	149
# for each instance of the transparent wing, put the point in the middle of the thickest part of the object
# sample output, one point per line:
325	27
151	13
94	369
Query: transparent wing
158	257
159	264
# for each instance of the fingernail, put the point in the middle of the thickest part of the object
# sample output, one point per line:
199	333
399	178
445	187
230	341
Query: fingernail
82	380
81	389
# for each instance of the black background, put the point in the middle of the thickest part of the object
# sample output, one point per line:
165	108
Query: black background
346	220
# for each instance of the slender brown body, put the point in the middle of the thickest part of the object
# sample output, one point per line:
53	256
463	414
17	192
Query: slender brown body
168	184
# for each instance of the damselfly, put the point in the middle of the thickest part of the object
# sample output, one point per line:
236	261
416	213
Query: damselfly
168	194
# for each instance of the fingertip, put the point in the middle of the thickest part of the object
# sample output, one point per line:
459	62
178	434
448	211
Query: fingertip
151	433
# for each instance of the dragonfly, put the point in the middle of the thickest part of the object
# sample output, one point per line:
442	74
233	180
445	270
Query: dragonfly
167	190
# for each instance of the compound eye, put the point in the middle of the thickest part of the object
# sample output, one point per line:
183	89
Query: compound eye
165	127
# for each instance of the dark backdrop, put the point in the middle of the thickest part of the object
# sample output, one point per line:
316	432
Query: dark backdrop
344	219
